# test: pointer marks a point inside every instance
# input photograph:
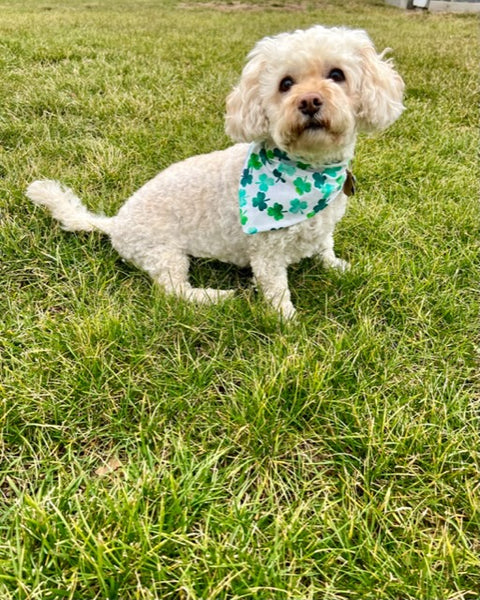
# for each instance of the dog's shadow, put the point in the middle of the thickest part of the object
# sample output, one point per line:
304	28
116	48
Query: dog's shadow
210	273
310	283
203	273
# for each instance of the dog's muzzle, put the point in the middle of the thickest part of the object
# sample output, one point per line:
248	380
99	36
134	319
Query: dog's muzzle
310	106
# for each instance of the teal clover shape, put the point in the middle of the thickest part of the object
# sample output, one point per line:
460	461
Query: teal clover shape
320	205
332	171
297	206
242	197
265	156
264	182
287	169
328	189
280	154
260	201
319	180
247	178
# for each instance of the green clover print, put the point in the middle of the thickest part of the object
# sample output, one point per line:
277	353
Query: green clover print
243	217
275	211
303	166
254	161
302	186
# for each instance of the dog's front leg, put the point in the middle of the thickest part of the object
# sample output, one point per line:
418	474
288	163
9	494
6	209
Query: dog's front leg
328	257
271	276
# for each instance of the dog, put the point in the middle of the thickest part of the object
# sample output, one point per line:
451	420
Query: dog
274	197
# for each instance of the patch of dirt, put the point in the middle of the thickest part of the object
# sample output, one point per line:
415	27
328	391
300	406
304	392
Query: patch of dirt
243	6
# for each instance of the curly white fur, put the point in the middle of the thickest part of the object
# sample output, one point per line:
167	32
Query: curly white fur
191	208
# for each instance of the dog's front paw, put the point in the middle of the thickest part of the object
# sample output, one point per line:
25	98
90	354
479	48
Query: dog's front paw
339	265
200	295
209	295
287	311
330	261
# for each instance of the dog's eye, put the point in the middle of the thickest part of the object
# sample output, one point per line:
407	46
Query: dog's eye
286	84
337	75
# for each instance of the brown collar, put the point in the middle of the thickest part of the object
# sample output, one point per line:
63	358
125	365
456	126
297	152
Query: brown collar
349	185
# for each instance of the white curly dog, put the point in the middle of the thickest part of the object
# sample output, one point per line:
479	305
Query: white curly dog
300	102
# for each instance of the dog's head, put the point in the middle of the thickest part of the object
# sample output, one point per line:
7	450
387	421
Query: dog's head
310	91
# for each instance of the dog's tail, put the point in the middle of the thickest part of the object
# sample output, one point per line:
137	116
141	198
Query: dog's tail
66	207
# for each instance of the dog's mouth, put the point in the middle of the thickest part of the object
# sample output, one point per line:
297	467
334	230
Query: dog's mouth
311	135
315	125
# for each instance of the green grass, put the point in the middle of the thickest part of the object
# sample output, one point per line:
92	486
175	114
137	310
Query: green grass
155	450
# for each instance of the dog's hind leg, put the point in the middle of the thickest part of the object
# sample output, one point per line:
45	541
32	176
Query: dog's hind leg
169	268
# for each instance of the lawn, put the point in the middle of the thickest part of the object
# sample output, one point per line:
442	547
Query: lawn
152	449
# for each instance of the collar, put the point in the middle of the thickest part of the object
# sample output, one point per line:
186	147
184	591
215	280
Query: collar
277	191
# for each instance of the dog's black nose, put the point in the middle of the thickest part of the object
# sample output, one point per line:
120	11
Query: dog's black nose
310	104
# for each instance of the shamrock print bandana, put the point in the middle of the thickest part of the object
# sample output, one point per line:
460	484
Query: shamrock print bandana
277	191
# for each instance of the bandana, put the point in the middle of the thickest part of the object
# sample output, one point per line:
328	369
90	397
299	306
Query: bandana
277	191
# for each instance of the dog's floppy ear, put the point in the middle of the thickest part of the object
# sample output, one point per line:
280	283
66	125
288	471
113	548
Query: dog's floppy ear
381	91
246	119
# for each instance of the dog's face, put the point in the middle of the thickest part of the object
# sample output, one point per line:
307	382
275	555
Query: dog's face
308	104
309	92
